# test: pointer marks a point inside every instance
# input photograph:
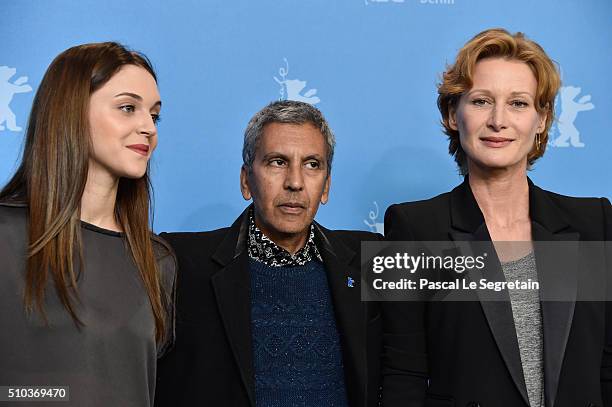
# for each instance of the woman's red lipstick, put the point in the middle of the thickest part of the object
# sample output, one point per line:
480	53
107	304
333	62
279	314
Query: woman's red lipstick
141	149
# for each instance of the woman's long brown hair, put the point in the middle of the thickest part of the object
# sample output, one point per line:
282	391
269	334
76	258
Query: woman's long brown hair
52	175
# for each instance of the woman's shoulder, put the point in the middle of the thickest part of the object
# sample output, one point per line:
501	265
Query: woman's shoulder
421	208
577	202
575	206
13	215
589	215
13	236
426	219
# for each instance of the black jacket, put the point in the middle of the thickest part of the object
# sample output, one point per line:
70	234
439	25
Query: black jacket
211	363
466	353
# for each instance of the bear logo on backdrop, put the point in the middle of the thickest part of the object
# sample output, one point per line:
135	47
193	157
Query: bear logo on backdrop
373	223
293	89
8	89
565	133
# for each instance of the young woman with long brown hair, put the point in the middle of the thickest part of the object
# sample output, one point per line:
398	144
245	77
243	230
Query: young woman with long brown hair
85	287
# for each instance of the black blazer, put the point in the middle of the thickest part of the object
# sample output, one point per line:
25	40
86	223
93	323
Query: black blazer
466	353
211	363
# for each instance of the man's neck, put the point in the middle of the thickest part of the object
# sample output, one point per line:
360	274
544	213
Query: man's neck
290	242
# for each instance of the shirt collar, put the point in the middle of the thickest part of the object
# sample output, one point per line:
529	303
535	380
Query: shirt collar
264	250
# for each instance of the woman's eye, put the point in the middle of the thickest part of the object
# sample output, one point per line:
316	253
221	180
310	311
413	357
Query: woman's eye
127	108
519	103
156	118
479	102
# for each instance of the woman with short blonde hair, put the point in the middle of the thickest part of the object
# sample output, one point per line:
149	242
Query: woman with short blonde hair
550	345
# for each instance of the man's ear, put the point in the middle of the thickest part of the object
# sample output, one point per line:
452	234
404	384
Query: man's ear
244	183
325	195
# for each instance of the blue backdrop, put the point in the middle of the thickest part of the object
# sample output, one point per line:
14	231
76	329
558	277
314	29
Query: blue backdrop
370	65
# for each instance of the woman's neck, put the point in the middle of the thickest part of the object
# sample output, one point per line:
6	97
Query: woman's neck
98	200
503	196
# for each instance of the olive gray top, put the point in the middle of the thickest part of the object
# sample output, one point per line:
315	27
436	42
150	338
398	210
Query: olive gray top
111	360
528	325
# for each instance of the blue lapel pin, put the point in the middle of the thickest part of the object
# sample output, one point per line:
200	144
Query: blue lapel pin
350	282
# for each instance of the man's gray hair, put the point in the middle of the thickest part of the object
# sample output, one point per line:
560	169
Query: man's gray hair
285	111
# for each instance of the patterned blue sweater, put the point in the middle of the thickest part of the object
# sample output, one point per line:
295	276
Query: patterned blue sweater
296	347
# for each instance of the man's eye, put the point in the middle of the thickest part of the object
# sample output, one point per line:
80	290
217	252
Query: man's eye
277	163
313	164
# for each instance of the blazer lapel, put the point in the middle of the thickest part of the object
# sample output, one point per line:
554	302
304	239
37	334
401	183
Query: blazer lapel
349	311
469	226
232	290
557	271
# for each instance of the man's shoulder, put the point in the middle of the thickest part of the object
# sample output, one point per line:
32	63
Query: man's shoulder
194	242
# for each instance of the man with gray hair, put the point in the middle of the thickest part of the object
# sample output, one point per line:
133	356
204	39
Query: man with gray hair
268	310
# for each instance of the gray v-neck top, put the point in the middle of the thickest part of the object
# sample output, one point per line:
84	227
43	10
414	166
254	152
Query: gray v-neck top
111	361
528	324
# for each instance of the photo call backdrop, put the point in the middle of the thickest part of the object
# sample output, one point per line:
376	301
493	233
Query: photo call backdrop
371	67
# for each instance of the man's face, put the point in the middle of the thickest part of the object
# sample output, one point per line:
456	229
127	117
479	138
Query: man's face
288	179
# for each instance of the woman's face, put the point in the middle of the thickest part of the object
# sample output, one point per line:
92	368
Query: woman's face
496	119
123	115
